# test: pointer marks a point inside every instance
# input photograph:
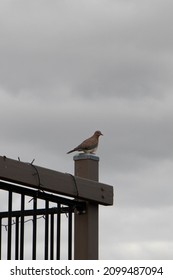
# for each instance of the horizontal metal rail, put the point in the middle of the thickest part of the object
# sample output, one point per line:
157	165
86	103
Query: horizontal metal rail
74	203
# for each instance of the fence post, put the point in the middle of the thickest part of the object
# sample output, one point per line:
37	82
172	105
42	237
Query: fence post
86	225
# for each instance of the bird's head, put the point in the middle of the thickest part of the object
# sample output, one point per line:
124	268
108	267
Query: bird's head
98	133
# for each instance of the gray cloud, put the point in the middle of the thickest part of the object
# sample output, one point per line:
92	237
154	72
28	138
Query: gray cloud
118	54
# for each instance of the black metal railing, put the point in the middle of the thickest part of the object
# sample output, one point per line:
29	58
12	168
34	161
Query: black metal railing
25	206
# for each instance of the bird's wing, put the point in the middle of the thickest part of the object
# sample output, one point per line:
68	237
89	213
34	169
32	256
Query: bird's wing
88	144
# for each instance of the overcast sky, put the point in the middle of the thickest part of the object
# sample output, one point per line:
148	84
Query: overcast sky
68	68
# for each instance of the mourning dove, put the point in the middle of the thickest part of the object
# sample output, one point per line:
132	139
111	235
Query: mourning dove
89	145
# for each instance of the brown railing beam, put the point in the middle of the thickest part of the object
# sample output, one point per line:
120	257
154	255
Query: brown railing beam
27	174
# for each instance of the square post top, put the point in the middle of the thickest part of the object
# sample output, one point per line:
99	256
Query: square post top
86	166
85	156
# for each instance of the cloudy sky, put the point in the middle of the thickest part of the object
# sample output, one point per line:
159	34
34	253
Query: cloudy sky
68	68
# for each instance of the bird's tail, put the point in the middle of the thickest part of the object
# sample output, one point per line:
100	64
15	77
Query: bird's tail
71	151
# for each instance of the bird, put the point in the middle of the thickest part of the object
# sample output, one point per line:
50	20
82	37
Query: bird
89	145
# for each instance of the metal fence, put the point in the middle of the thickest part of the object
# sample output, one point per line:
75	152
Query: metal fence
33	223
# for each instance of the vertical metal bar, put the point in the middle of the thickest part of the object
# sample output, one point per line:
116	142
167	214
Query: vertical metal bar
0	236
9	225
17	238
70	235
58	238
52	237
22	227
34	240
46	247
